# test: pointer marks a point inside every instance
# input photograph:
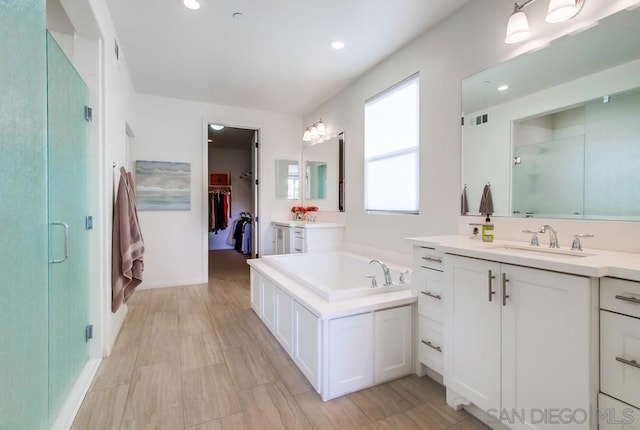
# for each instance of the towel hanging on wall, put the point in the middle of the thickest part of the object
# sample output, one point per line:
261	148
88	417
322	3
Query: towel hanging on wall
486	202
464	205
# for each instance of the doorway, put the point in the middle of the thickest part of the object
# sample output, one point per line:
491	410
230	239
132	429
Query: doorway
232	195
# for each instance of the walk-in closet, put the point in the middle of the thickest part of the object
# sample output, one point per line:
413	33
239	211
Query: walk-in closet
232	190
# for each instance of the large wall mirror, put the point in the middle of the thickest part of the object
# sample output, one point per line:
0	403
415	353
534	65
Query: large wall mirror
323	174
563	141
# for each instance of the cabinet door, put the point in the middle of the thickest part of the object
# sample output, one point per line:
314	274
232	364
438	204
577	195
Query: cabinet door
306	343
545	343
393	349
350	354
268	304
471	347
256	291
283	329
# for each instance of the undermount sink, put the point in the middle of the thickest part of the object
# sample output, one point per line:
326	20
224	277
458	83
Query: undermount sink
533	250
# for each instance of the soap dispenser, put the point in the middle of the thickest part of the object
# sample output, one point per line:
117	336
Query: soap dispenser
487	230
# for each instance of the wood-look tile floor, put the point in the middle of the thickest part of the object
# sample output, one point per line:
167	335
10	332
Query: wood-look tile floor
198	358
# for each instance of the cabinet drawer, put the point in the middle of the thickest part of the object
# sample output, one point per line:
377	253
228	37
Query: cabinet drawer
430	343
430	305
620	296
430	258
615	415
299	232
620	357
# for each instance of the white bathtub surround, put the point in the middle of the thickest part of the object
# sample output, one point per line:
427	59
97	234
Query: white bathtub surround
532	315
340	346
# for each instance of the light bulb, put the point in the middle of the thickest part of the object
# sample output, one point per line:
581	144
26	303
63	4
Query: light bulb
562	10
191	4
517	28
321	129
306	136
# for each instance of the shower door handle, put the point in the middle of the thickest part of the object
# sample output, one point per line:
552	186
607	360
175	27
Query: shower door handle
66	242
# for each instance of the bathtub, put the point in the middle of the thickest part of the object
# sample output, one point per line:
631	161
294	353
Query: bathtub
337	275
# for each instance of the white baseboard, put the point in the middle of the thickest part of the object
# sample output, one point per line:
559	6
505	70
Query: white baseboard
76	396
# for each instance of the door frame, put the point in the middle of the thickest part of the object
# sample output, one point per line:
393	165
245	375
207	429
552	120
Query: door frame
255	153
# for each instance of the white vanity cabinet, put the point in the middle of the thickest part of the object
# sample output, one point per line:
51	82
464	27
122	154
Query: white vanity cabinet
619	401
281	239
294	237
428	286
518	339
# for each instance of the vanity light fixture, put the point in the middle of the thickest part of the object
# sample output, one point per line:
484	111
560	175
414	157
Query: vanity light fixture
558	11
315	131
191	4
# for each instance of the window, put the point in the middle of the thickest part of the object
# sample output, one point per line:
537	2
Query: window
391	148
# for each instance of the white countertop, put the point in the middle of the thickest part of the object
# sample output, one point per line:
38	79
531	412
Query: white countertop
595	263
306	224
340	308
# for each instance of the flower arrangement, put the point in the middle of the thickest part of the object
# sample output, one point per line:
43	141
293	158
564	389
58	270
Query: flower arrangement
298	209
312	209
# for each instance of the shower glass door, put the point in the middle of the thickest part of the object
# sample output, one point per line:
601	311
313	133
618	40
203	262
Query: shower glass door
68	137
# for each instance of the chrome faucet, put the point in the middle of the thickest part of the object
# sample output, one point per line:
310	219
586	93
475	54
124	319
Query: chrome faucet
387	274
553	235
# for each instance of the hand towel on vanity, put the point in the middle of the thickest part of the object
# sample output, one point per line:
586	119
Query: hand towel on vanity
486	202
464	205
127	249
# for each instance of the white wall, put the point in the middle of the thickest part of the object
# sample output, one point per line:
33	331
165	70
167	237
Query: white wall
91	51
174	130
233	162
463	44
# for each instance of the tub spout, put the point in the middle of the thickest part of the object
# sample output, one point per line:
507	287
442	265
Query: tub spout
387	274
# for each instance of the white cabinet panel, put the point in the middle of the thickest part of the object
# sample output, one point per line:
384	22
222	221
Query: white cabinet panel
621	296
615	415
394	341
256	291
472	331
306	343
283	323
350	354
545	342
619	356
267	313
430	343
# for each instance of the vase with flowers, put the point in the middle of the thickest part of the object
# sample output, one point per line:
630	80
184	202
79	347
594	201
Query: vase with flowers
298	212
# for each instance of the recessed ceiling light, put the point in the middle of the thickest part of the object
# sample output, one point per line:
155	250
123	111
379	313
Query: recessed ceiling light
216	127
337	44
238	16
191	4
503	87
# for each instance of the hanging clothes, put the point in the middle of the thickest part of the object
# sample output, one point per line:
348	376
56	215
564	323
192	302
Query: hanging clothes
127	248
219	207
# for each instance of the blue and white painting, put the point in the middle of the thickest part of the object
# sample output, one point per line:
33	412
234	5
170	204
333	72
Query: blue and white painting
163	186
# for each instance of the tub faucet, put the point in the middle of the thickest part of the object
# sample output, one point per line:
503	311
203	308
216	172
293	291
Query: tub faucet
553	235
385	269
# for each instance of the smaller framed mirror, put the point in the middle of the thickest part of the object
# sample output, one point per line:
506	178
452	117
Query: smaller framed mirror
323	174
287	180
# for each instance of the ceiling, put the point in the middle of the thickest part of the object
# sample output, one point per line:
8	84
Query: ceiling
276	58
